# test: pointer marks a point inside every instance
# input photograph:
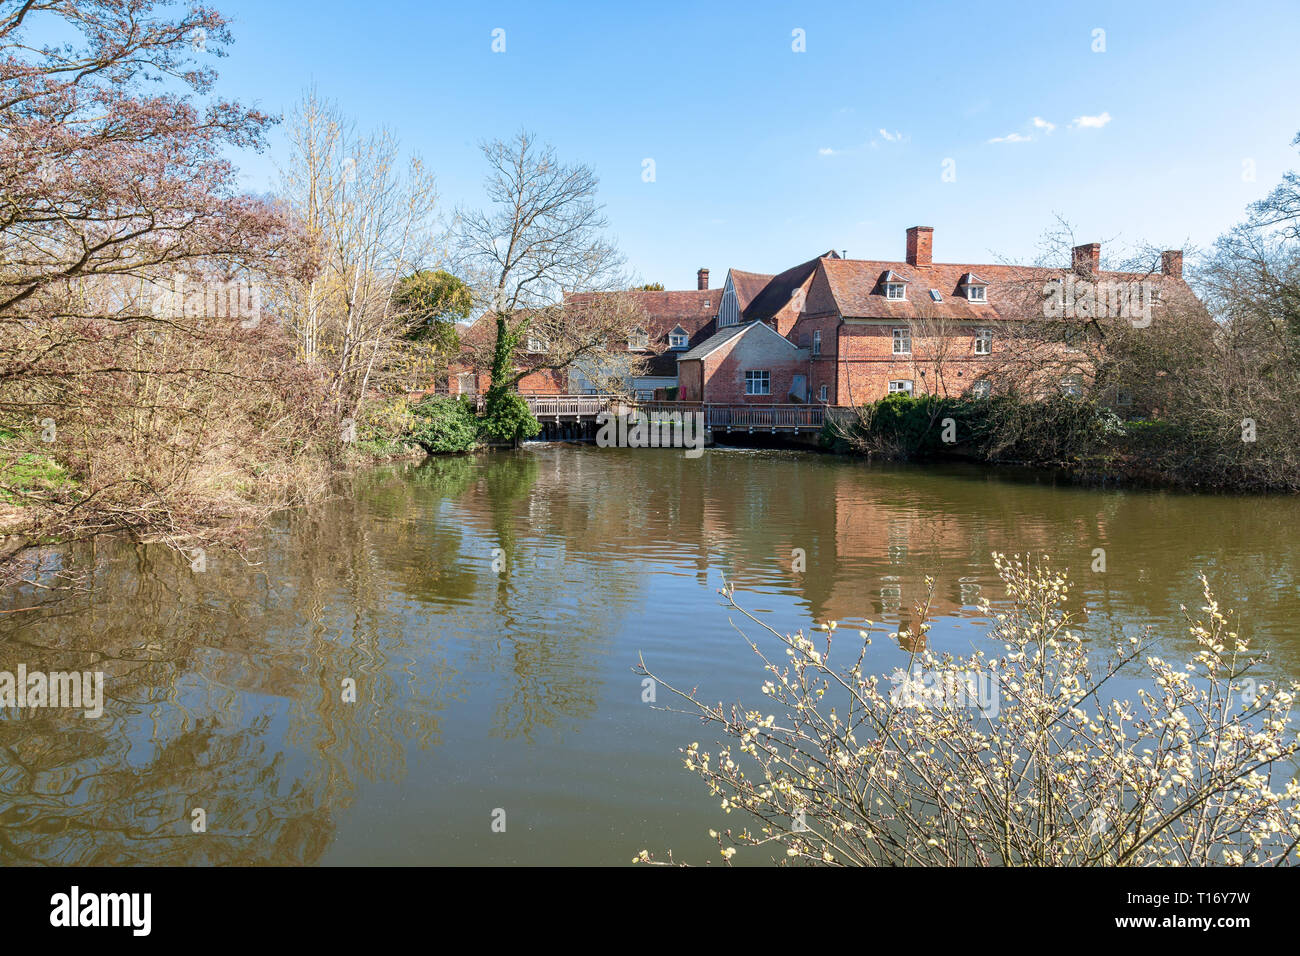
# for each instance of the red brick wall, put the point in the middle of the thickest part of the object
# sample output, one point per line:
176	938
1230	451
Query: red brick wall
724	370
867	363
823	365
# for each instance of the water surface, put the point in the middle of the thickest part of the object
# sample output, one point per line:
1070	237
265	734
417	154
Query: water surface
490	611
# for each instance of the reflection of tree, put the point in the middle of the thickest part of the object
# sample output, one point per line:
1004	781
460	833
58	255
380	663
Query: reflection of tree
195	666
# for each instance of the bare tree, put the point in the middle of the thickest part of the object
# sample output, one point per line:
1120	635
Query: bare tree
371	220
541	236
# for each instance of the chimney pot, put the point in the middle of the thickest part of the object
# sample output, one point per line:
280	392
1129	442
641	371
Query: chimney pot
1086	259
1171	263
702	279
920	245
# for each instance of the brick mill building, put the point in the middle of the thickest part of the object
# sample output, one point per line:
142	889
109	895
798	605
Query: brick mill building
838	331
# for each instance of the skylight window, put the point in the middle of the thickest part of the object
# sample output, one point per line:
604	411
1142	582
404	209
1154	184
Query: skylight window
935	295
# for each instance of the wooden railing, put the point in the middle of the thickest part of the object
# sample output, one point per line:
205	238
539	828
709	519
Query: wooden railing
567	406
732	417
764	416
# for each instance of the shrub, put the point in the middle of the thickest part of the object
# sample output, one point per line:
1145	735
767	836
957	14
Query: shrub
444	426
1045	771
507	418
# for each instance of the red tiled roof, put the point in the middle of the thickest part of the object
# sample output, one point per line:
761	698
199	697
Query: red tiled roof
694	310
748	285
855	286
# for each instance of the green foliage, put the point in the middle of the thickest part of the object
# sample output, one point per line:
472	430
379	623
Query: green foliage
432	302
649	287
444	426
1002	428
507	419
27	473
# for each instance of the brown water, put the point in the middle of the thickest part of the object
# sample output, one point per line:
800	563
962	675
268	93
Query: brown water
480	690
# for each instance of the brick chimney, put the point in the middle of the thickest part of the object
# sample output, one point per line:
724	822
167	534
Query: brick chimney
1171	263
1086	259
702	279
920	245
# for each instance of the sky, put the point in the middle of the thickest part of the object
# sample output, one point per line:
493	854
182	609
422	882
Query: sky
777	131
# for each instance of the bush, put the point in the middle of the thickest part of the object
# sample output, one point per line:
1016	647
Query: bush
443	426
508	418
1010	756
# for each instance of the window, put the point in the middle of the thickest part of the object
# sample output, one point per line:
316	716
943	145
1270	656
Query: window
981	389
1072	386
1124	398
758	382
537	343
677	339
936	295
975	293
817	342
824	393
729	310
902	385
895	290
902	341
639	339
984	342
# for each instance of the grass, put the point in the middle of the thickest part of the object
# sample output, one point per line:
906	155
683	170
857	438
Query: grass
28	472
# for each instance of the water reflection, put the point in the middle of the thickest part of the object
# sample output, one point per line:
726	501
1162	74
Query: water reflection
489	609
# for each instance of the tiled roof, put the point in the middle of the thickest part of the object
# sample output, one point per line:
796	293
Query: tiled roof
748	285
854	284
778	290
712	342
694	310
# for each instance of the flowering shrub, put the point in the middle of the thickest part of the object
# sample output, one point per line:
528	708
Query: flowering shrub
839	769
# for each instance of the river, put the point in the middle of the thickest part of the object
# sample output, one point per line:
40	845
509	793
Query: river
489	611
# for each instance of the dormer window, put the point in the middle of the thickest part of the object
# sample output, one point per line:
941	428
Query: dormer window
638	340
973	288
537	343
678	339
894	286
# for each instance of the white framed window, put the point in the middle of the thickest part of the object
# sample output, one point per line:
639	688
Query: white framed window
824	394
981	388
895	290
984	342
817	342
975	293
758	382
900	386
537	343
678	340
638	340
902	341
1072	386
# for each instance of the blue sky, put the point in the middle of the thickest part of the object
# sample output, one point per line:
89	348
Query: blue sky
765	157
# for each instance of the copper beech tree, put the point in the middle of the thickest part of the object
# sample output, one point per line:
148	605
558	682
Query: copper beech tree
132	350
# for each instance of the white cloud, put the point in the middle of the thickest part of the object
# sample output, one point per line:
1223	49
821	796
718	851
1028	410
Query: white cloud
894	137
1011	138
825	151
1040	123
1090	122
